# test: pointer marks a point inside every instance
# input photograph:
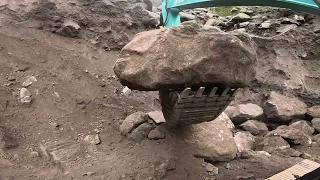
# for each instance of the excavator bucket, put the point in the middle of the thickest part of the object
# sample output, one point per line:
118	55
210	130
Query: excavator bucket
193	107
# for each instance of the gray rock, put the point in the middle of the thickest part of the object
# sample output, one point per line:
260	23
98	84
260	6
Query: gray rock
316	124
29	81
289	21
224	119
244	141
141	132
156	134
64	150
265	25
282	109
34	154
212	168
69	29
306	156
316	138
212	22
245	112
132	121
92	139
157	70
286	28
186	16
151	20
157	117
126	91
299	18
241	17
304	126
314	111
254	127
272	143
246	177
244	24
25	96
229	111
292	135
211	140
246	11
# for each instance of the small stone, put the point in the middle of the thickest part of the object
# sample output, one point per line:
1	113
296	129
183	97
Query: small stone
245	112
254	127
157	117
303	125
29	81
25	96
56	18
299	18
34	154
286	28
212	22
316	138
155	134
241	17
228	166
69	29
314	111
141	132
88	174
133	121
265	25
244	24
289	21
212	168
306	156
244	141
246	177
93	139
126	91
316	124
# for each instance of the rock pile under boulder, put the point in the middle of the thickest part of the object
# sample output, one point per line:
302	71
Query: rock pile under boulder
186	56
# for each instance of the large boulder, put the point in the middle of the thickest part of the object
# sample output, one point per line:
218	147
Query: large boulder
185	56
282	109
211	140
243	112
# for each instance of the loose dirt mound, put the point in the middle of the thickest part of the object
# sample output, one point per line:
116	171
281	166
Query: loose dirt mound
75	95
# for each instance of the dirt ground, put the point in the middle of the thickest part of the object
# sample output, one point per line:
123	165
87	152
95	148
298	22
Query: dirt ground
77	94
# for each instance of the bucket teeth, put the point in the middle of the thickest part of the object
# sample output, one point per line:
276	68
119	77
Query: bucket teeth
193	107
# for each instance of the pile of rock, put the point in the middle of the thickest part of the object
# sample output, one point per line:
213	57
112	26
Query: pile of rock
278	127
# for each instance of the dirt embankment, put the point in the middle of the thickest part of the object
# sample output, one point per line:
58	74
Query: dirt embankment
66	125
